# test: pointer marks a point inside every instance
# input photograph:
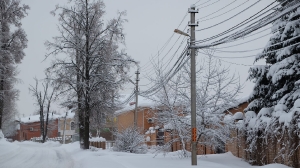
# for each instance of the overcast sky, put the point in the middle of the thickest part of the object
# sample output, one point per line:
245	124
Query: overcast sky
150	24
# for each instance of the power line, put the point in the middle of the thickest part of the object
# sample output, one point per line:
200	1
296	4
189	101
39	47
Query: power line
202	3
230	17
245	31
168	41
257	24
266	48
217	11
208	5
257	54
261	23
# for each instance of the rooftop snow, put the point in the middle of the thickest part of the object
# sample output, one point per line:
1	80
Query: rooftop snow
142	102
36	118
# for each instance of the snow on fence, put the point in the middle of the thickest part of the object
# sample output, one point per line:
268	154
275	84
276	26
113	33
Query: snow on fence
68	139
98	142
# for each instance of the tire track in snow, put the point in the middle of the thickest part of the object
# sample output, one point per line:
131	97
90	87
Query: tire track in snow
37	156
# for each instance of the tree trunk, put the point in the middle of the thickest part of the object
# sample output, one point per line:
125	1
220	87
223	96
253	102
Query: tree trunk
87	81
80	123
42	123
46	127
1	100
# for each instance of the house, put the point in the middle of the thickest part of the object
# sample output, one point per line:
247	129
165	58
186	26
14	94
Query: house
145	112
157	134
66	124
29	127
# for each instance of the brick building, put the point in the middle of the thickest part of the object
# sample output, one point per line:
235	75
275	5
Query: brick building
154	135
125	116
29	127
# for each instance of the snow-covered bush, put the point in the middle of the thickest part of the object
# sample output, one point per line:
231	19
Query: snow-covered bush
1	135
130	140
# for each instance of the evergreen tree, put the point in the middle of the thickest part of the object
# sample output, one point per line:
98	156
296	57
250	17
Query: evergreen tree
278	80
13	41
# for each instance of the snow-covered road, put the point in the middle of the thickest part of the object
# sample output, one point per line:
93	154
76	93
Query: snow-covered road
55	155
29	155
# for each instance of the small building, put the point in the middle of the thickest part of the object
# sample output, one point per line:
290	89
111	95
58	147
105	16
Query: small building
157	134
66	124
145	111
29	127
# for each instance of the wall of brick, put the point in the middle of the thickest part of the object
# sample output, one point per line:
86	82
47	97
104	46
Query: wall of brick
126	119
30	130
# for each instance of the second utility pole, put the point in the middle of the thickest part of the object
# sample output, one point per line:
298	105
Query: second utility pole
136	97
193	10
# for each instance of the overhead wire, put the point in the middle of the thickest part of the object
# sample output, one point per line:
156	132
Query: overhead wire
202	3
256	54
216	11
168	41
208	5
256	25
250	29
233	37
229	17
168	75
172	57
149	63
243	23
217	49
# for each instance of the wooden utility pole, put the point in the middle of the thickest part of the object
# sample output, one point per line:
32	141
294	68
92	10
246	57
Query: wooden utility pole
136	97
192	24
64	136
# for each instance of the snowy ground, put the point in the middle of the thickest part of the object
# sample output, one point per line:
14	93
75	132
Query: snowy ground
52	155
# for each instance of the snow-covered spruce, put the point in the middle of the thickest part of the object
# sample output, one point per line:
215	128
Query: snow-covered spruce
275	95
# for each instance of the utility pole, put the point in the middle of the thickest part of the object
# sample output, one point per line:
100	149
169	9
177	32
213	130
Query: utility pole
192	24
136	97
64	137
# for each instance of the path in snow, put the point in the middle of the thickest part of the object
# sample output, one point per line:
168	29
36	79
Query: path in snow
31	155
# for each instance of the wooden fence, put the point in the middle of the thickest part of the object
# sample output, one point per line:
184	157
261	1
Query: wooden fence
98	144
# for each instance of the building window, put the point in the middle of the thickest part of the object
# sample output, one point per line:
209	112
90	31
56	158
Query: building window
72	126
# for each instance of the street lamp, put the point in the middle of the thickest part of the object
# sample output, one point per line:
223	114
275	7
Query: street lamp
181	32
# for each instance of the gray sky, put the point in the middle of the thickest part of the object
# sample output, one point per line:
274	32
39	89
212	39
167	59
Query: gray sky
150	24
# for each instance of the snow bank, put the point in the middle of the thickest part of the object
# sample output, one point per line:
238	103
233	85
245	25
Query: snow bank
30	154
2	136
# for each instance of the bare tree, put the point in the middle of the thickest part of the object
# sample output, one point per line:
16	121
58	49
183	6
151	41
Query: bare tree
93	64
217	91
44	99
